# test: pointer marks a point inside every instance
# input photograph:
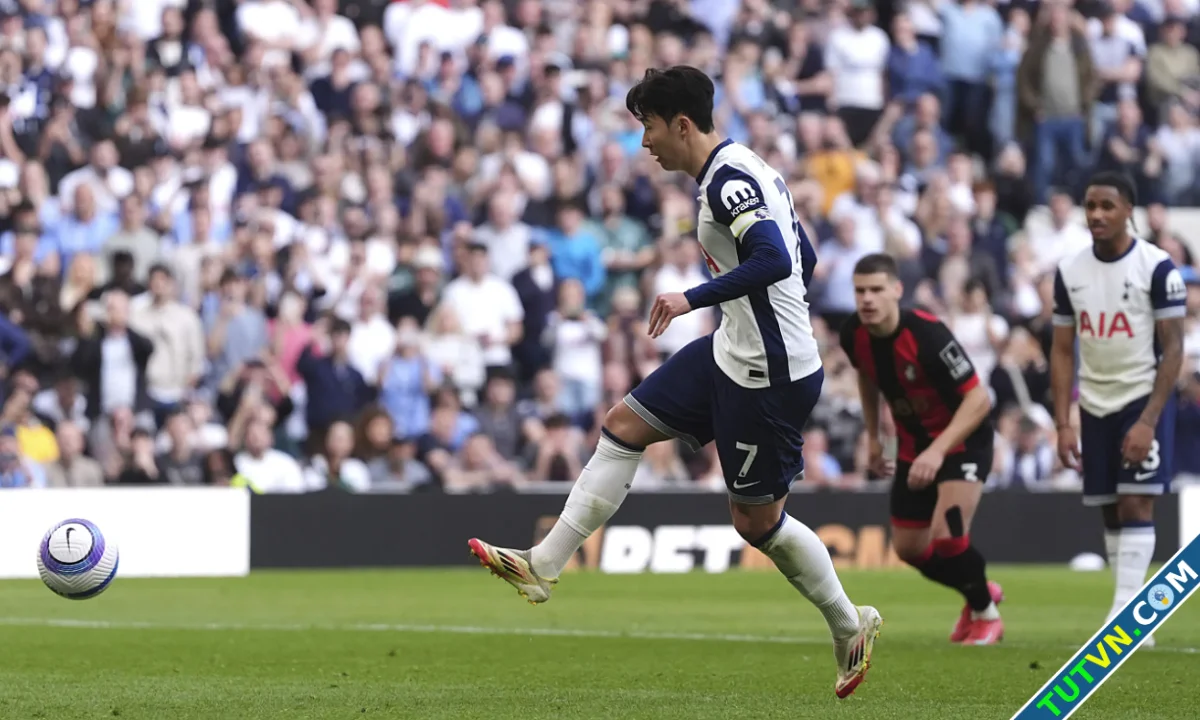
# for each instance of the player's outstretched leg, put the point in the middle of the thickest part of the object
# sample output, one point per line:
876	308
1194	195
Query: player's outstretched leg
673	401
596	495
804	560
1129	540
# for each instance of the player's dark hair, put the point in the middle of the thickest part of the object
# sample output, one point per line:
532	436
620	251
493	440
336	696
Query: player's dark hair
667	94
1118	181
1122	183
878	263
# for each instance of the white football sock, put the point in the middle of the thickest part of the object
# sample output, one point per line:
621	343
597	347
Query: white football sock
991	612
804	561
1112	546
599	491
1112	543
1135	548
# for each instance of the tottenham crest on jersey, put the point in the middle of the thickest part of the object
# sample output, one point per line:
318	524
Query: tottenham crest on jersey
739	196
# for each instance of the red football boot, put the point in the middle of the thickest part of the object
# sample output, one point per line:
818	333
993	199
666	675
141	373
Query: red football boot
962	628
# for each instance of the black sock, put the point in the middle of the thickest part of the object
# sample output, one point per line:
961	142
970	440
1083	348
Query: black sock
934	568
955	563
968	571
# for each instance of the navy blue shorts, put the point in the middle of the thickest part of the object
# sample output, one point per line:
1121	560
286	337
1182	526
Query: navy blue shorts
1104	473
757	431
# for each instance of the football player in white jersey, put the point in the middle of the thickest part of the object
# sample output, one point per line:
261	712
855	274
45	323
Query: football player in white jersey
750	386
1124	301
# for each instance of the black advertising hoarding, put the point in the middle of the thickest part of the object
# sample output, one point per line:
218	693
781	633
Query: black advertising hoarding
652	532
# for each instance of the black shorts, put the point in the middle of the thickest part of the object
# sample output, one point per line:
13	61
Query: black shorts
756	431
914	508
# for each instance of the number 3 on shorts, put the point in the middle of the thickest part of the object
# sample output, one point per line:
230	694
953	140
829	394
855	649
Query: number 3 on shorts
751	451
1153	460
1150	464
970	472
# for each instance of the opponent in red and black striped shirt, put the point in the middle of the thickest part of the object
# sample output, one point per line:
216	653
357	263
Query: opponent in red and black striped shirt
945	439
923	373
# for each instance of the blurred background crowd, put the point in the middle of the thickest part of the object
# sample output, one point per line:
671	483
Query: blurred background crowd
409	246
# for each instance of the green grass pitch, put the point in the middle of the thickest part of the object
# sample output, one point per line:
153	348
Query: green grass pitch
460	645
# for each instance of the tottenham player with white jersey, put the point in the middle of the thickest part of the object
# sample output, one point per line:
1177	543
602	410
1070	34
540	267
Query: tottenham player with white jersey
750	386
1124	300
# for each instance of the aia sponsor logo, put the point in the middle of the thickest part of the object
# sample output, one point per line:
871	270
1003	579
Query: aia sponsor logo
1104	325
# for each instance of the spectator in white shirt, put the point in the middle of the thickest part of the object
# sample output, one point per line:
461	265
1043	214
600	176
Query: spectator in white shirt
372	337
680	272
327	31
506	237
1179	142
856	56
273	23
63	403
980	332
575	336
834	272
109	181
456	352
265	469
335	468
1118	50
1061	238
487	307
177	365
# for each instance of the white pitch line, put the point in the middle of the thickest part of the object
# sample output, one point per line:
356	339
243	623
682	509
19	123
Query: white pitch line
403	628
482	630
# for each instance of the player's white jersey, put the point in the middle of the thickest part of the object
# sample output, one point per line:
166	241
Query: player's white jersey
765	337
1113	306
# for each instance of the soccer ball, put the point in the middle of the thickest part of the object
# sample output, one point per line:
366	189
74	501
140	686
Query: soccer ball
75	560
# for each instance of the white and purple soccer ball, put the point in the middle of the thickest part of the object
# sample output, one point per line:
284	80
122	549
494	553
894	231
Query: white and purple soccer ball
76	561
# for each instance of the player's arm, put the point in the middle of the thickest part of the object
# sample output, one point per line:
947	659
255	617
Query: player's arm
737	201
868	393
1062	373
868	390
952	371
1168	296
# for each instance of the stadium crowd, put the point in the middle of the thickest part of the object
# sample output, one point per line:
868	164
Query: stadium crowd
410	246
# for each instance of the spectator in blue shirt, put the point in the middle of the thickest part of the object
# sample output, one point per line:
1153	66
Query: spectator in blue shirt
405	382
575	252
1187	427
84	229
336	391
26	232
14	348
972	33
925	116
16	471
913	69
1003	118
